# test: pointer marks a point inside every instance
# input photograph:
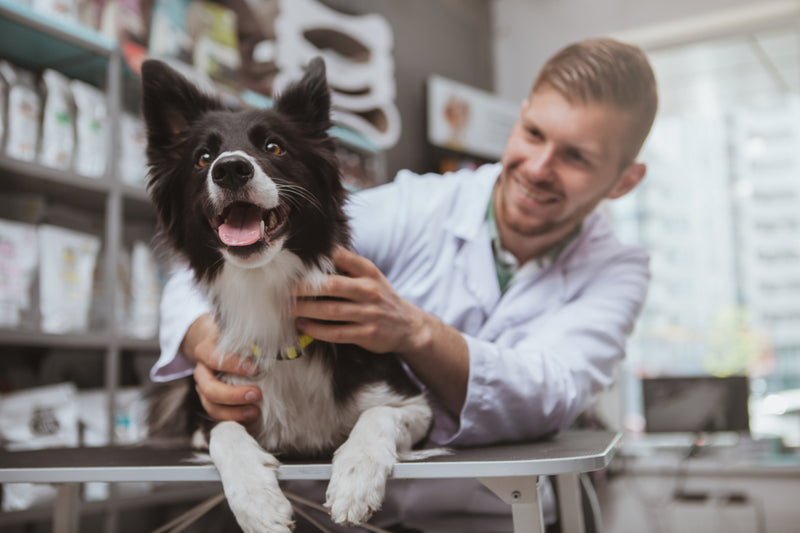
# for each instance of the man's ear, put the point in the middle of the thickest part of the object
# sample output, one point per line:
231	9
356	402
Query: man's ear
631	177
309	99
170	103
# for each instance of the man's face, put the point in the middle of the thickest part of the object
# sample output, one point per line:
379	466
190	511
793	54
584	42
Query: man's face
560	161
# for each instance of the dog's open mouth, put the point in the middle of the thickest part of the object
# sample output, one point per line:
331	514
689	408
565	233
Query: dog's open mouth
243	224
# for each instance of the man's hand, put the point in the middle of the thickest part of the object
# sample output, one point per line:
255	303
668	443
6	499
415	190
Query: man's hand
361	307
220	400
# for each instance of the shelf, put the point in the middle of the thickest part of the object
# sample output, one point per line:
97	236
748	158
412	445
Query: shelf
88	340
69	187
161	495
36	42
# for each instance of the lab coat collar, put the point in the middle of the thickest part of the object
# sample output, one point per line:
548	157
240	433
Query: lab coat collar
466	221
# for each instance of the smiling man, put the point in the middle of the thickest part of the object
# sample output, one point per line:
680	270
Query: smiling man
502	289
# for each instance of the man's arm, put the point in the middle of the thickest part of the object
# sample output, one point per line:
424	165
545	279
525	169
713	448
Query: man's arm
534	379
368	312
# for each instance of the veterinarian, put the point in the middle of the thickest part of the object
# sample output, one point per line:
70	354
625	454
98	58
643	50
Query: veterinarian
502	288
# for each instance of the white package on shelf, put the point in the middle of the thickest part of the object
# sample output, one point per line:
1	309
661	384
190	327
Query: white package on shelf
58	125
132	165
62	10
145	293
42	417
91	128
66	276
18	260
33	419
24	109
130	427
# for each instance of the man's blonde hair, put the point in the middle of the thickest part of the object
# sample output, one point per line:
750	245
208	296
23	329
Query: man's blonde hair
608	72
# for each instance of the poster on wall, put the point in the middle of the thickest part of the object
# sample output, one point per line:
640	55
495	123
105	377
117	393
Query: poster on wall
467	119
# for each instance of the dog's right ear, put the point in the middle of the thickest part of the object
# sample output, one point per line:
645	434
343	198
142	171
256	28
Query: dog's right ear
170	103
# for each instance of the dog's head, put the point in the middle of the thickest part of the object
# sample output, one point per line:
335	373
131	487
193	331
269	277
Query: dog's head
241	186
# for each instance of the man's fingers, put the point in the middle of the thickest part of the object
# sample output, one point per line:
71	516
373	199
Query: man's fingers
245	414
218	393
352	263
206	353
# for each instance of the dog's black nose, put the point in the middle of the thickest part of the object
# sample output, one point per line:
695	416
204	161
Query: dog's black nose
231	171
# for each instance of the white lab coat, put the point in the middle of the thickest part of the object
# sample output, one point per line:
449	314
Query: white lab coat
538	354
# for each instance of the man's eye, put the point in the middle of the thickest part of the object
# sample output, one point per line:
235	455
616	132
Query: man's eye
534	133
576	157
274	149
204	160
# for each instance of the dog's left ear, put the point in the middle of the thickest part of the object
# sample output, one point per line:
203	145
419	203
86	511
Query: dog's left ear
308	99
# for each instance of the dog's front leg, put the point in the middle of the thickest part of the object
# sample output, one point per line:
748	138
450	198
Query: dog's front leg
364	462
249	479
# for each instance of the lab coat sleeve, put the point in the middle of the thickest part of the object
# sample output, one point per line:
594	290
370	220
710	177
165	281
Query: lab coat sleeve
182	303
542	373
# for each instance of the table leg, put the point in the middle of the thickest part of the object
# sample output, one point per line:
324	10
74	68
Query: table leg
570	504
66	513
523	496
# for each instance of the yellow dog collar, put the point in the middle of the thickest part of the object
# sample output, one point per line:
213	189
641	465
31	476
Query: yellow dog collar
289	352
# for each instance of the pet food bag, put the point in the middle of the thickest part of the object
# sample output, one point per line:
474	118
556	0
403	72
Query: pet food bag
91	129
145	293
24	110
32	419
66	274
130	427
58	126
18	260
134	143
42	417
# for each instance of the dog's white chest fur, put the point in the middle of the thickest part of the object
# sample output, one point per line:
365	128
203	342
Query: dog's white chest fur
253	305
300	412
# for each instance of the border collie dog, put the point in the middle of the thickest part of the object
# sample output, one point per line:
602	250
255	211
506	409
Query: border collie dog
252	201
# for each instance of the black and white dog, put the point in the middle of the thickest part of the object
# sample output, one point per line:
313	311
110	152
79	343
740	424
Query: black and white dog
252	201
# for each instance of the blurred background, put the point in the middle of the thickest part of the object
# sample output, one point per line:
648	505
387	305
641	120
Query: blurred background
427	85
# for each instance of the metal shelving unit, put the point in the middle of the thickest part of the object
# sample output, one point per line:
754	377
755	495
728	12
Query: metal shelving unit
36	42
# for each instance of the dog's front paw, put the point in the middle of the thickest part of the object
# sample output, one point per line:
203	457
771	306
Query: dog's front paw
259	505
358	481
249	479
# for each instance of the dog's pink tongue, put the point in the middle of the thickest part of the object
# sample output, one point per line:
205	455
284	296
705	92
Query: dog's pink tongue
242	227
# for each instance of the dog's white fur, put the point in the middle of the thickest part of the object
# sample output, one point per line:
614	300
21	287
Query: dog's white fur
253	299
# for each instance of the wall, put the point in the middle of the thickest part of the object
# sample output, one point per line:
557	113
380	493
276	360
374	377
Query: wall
527	32
448	37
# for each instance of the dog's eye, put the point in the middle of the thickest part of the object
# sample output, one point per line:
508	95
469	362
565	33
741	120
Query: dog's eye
274	149
204	160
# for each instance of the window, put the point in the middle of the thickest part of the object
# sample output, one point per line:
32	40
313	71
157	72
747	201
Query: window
720	214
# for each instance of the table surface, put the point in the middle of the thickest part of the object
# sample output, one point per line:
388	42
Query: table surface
565	452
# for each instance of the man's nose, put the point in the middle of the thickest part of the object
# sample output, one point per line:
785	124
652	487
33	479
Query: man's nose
541	162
